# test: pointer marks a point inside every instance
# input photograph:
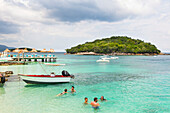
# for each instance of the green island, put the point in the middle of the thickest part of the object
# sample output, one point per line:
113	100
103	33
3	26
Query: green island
119	45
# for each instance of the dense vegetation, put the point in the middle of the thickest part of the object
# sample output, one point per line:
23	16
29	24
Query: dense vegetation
115	44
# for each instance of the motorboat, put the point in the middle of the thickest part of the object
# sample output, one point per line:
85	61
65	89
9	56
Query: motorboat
105	57
102	60
51	64
114	57
47	79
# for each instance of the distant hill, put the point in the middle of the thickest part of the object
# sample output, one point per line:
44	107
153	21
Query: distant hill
115	44
3	47
29	49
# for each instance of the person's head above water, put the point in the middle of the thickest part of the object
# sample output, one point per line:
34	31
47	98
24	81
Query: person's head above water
102	98
72	89
65	90
86	99
95	99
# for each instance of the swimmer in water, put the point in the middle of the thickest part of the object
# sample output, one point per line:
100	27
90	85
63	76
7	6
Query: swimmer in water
86	100
73	90
64	92
102	98
94	104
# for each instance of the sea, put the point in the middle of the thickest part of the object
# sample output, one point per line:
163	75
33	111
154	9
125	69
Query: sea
131	84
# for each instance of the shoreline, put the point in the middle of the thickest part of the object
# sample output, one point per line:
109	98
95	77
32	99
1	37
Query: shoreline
11	63
118	54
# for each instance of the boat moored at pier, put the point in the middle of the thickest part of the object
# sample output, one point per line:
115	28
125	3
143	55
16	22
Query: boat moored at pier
47	79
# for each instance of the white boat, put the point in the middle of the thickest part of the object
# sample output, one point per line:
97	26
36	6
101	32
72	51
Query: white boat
105	57
114	57
47	79
102	60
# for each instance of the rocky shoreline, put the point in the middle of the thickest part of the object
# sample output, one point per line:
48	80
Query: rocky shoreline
12	63
120	54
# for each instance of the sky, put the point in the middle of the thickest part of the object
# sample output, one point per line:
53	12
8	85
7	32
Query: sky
62	24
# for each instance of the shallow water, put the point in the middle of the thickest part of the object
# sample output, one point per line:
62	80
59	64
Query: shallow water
130	84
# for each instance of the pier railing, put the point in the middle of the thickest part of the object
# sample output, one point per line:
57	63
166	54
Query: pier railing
35	58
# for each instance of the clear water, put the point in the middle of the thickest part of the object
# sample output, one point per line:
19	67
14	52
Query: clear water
130	84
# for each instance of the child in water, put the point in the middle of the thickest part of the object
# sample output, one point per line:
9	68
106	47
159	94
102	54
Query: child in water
102	98
73	90
86	100
64	92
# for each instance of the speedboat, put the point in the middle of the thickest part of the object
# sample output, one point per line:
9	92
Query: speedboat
47	79
114	57
102	60
105	57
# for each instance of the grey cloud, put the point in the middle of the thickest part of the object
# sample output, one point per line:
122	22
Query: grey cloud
8	27
71	11
4	39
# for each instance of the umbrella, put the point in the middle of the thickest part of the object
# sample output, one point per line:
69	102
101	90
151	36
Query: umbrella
43	50
25	50
51	50
7	50
16	50
33	50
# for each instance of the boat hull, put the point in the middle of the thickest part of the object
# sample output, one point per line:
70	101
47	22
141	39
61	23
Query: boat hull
102	60
45	80
114	58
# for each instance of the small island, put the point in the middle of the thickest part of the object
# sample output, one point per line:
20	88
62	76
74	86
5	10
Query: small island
115	45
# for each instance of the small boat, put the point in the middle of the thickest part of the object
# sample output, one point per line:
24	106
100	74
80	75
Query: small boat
102	60
114	57
105	57
47	79
51	64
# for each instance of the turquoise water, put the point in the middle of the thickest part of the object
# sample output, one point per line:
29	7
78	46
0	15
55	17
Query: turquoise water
130	84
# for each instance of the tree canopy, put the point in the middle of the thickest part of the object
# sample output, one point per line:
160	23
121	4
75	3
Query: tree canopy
115	44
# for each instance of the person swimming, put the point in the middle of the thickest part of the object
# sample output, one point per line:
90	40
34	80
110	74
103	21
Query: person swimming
94	104
102	98
64	92
86	100
73	90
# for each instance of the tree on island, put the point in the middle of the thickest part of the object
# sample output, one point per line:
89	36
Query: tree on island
115	44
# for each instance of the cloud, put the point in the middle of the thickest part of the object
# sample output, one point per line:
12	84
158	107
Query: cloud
8	27
108	10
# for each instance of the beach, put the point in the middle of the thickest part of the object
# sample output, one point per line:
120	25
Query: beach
130	84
